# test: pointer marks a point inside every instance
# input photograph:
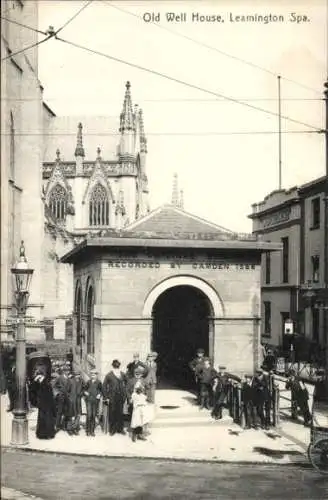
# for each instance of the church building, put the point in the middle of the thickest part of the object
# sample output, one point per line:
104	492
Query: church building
92	183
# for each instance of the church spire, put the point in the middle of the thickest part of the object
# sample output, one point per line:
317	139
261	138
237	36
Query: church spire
126	118
143	140
175	192
181	201
79	150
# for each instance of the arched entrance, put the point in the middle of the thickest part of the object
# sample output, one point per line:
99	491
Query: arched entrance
182	323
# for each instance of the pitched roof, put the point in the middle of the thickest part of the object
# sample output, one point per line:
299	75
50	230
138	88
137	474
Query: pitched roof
171	219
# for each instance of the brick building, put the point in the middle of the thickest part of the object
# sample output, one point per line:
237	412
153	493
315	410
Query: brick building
293	280
22	214
170	282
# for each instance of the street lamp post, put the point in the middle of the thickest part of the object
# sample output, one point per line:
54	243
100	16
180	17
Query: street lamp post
22	275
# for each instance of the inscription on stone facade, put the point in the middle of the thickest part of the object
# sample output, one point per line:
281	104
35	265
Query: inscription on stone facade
277	218
204	265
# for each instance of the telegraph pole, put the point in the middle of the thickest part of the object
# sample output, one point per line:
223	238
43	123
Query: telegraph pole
279	133
326	236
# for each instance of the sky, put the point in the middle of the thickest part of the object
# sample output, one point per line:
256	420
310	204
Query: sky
226	154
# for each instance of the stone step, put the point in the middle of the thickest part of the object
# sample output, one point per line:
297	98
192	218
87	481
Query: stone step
190	422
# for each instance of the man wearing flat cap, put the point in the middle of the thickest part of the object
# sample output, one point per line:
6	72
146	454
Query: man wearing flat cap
196	365
299	397
220	391
247	401
61	389
92	394
261	398
206	377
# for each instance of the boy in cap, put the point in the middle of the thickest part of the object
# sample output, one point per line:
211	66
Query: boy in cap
247	400
75	399
261	398
92	394
220	390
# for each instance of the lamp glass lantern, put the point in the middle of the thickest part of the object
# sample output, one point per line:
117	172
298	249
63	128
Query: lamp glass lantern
22	273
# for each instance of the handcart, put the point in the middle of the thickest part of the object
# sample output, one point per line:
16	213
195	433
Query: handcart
318	447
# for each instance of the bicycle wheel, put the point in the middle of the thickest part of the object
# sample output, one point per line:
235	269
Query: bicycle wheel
318	455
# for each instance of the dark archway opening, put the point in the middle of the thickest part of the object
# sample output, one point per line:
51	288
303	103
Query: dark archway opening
181	323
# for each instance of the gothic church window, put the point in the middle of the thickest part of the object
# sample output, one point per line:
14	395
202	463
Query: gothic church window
58	202
99	207
78	313
90	321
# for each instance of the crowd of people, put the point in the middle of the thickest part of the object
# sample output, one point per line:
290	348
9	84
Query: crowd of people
123	402
256	392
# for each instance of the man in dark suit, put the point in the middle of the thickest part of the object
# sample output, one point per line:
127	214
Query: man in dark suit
299	397
261	398
92	394
206	377
220	390
61	389
151	377
136	363
247	401
196	365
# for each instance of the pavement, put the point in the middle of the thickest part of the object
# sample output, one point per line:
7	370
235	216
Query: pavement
180	431
11	494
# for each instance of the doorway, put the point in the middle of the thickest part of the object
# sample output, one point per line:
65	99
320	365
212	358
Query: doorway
181	325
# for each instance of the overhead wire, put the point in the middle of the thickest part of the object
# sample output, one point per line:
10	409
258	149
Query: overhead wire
73	17
173	100
49	34
223	97
210	47
182	82
117	134
22	25
24	49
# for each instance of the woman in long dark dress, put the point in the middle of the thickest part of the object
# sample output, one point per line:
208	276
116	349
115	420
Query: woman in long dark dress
114	395
45	428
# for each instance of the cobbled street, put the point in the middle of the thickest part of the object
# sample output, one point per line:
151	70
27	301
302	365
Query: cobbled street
57	477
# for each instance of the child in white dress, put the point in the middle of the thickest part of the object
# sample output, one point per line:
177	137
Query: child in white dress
140	414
